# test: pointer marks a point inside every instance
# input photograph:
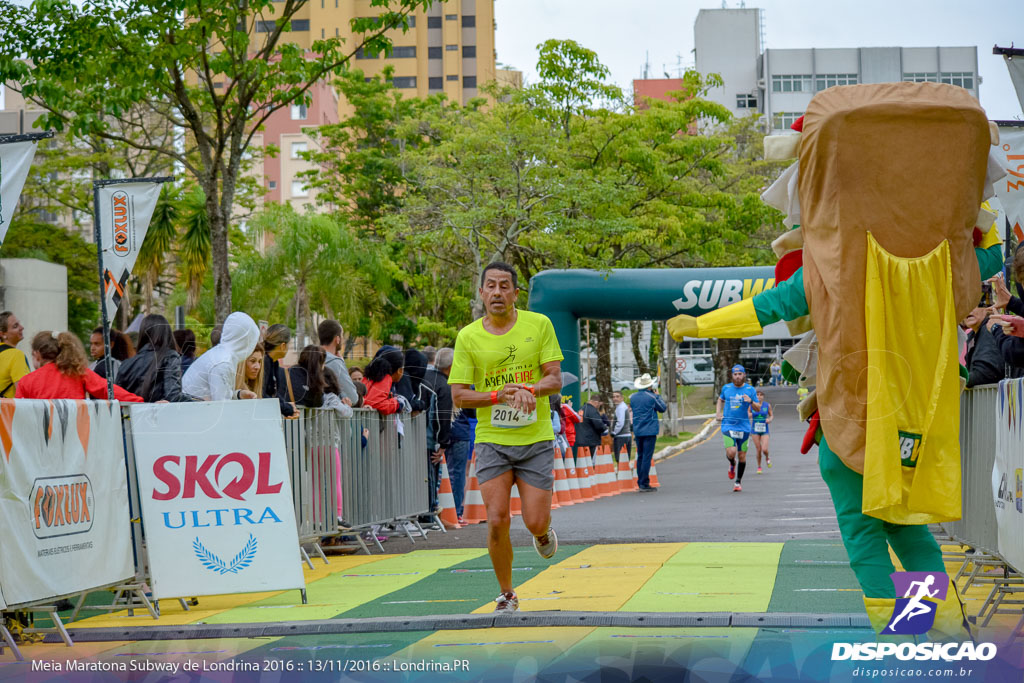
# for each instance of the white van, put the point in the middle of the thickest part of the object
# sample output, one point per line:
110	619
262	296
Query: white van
695	370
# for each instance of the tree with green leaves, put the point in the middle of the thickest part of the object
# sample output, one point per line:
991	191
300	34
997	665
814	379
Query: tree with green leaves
129	71
314	264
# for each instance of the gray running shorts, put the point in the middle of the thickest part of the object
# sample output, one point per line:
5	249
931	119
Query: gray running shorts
534	464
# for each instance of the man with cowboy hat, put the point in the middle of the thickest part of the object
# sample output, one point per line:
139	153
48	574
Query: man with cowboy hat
646	405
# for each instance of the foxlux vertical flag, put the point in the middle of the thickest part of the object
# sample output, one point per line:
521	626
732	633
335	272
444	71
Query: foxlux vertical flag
124	211
15	159
1010	188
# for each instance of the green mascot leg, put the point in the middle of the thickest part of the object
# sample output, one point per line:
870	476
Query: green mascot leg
867	542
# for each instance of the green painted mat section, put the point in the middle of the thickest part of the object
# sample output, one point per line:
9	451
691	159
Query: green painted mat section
458	589
338	593
712	577
815	576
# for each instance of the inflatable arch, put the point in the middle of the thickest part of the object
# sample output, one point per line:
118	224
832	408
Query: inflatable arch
566	296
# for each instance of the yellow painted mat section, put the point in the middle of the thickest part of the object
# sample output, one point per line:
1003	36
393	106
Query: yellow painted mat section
712	577
599	579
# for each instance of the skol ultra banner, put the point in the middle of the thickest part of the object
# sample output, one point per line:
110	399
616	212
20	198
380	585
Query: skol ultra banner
1008	471
216	497
124	210
63	499
16	153
1010	189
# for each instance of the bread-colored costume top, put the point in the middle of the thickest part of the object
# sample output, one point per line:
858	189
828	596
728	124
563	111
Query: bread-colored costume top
876	158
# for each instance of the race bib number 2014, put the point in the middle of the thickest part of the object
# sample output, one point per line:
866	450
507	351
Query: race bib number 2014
510	418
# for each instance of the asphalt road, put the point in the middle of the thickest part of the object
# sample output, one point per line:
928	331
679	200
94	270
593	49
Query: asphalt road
696	501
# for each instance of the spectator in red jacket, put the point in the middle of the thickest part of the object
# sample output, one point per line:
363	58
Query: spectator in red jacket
63	371
383	371
571	418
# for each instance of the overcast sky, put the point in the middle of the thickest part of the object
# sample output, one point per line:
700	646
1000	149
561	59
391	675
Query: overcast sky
623	32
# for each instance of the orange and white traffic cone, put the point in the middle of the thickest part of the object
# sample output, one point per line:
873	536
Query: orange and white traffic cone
572	477
584	471
624	479
606	473
633	473
447	499
561	495
654	475
515	505
473	510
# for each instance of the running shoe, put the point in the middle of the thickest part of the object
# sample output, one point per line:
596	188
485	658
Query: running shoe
759	470
768	461
507	602
546	545
737	488
732	471
462	521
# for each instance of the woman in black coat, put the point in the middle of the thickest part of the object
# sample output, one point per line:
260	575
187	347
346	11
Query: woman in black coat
154	373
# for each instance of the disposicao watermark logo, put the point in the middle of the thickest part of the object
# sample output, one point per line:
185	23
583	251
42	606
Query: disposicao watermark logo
914	613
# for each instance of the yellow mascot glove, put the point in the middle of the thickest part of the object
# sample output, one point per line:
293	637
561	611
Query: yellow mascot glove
735	320
682	326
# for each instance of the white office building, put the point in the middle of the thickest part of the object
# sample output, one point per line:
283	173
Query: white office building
780	83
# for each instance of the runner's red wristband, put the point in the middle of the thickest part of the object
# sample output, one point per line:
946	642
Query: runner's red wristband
529	387
494	398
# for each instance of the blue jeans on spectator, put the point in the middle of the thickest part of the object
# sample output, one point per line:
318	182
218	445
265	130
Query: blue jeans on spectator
457	457
644	455
433	482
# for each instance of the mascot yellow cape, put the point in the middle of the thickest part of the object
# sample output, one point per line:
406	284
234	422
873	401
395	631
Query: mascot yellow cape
886	256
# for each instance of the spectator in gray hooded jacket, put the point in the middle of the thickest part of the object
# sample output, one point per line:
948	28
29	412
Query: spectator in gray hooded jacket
329	332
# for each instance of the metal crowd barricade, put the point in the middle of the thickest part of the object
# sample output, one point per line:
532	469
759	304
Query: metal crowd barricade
312	444
382	481
977	526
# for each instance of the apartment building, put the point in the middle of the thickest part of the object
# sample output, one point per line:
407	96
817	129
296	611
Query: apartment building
780	83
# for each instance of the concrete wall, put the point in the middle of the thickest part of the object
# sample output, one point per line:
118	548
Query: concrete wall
37	292
728	42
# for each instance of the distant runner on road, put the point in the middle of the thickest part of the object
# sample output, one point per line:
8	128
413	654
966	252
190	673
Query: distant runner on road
513	358
733	404
760	419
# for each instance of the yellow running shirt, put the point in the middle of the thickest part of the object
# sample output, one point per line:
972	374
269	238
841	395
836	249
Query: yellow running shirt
489	362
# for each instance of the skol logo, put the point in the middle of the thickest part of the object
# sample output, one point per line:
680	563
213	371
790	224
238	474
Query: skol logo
62	506
122	235
198	475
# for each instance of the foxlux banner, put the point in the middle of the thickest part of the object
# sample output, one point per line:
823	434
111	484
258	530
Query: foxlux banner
216	497
1008	471
15	160
124	211
63	499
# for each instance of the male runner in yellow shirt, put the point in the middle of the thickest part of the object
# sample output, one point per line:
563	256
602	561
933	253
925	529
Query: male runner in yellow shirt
513	359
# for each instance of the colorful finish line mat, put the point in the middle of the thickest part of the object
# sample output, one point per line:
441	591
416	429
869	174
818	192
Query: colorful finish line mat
810	577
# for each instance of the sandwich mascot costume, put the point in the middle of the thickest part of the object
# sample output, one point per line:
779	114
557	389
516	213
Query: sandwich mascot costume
888	245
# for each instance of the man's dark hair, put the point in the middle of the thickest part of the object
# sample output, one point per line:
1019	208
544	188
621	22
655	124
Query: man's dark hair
499	265
327	331
215	335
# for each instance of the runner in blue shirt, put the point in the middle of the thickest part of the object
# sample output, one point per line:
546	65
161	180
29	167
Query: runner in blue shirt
762	433
735	403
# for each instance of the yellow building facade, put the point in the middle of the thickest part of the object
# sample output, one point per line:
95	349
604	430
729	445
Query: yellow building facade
448	48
